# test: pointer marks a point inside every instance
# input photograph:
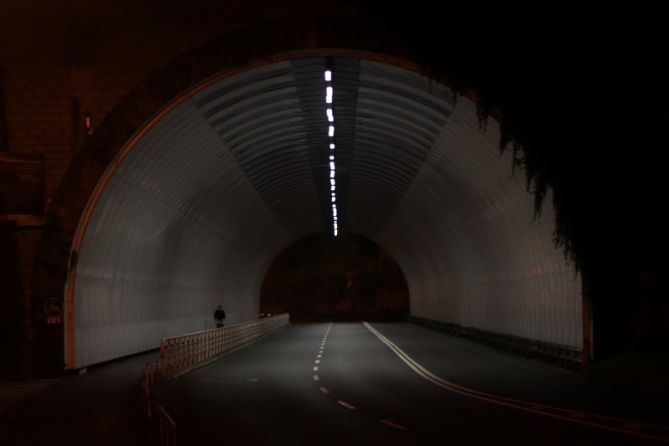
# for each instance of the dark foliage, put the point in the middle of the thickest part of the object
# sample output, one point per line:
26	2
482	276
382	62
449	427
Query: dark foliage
580	93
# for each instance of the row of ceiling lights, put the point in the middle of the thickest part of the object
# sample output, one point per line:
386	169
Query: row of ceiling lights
329	93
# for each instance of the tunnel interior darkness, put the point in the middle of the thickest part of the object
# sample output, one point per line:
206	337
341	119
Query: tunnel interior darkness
237	171
348	277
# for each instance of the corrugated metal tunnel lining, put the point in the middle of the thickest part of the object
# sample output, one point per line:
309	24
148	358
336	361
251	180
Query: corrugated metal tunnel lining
209	196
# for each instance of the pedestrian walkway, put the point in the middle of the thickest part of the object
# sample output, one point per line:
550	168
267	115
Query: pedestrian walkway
11	392
101	407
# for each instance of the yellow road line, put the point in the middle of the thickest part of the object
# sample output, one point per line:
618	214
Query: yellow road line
588	419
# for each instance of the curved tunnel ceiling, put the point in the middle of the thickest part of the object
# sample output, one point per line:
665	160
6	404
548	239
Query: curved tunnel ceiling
236	172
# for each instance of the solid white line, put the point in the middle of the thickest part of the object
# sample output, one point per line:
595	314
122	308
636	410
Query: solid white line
527	406
346	404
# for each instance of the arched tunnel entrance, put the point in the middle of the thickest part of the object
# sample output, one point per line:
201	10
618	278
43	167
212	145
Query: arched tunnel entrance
335	278
241	172
206	171
196	205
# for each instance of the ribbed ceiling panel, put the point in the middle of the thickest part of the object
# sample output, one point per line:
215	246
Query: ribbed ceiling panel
398	117
259	118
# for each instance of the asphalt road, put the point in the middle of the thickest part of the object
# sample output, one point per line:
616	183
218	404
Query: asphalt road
352	383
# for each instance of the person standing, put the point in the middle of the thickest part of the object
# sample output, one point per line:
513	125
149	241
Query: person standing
219	316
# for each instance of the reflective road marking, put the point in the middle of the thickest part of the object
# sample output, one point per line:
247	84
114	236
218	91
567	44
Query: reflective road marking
589	419
346	404
394	425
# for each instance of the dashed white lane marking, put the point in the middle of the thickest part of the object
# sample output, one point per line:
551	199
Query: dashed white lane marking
394	425
320	355
324	390
346	404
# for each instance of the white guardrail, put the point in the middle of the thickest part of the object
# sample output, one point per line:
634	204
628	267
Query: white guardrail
181	354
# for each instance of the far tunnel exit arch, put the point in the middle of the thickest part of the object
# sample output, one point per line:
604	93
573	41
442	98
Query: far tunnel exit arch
451	213
348	277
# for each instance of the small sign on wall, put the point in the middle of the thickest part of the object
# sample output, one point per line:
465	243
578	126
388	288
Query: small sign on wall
53	309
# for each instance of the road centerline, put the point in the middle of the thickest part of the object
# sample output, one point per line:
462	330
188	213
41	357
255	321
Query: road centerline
618	425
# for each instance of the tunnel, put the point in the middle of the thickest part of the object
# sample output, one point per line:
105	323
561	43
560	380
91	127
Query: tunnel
205	194
423	226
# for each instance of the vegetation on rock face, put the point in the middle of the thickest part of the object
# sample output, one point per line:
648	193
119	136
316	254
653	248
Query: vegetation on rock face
579	92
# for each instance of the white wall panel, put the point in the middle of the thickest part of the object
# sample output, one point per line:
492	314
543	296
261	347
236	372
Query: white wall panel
168	242
466	239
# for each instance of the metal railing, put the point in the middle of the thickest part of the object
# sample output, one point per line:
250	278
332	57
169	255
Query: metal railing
168	428
148	379
181	354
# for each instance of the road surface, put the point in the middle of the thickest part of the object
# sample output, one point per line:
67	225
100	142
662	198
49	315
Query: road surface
394	383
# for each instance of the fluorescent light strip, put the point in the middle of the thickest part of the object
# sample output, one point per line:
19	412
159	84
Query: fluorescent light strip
329	112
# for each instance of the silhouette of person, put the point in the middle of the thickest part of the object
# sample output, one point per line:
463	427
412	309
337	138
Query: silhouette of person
219	315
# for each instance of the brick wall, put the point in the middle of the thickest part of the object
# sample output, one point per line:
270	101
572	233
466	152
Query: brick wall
64	61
